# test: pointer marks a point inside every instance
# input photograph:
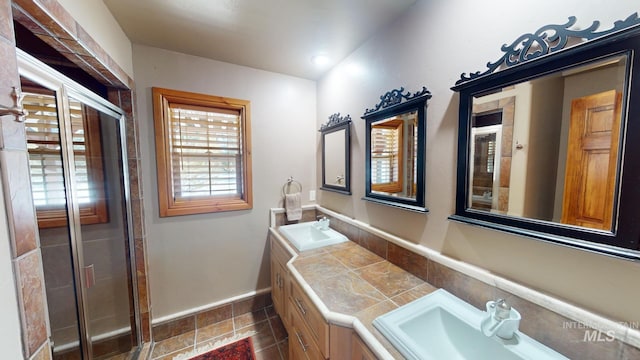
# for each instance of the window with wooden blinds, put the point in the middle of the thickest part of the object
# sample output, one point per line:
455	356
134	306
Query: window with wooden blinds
45	160
386	156
203	153
491	154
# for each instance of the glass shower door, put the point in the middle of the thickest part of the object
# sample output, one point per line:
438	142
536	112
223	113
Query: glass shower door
79	183
49	190
106	269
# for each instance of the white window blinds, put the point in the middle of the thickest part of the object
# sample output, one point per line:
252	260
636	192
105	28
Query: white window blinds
46	164
384	156
45	159
206	152
491	154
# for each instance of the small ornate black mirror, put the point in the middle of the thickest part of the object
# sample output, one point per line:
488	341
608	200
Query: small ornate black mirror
336	154
395	146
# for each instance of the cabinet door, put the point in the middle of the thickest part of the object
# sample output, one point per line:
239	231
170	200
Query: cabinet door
359	350
280	280
277	286
340	342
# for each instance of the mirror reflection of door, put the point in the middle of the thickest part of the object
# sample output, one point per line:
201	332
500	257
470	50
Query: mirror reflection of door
592	160
485	148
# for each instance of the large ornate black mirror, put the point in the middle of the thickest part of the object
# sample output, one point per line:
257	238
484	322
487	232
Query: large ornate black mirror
549	139
395	146
336	154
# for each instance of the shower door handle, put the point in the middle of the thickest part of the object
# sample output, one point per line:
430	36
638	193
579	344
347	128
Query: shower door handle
89	276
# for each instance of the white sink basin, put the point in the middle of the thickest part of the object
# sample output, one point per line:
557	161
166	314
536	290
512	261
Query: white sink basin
442	326
308	235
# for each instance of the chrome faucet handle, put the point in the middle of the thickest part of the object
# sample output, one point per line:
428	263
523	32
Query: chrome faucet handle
500	319
502	310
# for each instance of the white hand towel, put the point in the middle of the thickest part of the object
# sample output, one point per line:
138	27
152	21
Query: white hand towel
292	204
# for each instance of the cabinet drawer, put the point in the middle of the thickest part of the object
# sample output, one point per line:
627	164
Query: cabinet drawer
301	342
305	309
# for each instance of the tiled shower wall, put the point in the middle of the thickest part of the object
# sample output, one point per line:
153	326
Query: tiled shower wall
564	335
48	20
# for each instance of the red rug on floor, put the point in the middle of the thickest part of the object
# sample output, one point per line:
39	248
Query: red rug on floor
239	350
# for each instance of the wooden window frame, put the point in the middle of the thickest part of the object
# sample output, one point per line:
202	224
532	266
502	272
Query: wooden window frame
96	211
168	204
393	186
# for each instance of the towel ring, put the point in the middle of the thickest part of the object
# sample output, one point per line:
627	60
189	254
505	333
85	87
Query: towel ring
286	188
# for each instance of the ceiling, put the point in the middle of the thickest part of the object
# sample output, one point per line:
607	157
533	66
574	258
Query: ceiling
275	35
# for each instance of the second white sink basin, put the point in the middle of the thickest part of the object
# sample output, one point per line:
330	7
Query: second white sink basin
442	326
308	235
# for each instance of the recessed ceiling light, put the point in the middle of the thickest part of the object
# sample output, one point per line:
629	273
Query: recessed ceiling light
320	60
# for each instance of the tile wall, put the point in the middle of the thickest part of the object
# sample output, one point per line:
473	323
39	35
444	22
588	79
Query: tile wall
26	257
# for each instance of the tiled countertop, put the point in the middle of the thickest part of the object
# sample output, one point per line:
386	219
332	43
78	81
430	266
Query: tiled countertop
547	316
350	280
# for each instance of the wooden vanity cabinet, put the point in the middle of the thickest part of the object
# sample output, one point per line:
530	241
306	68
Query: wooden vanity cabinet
310	336
280	280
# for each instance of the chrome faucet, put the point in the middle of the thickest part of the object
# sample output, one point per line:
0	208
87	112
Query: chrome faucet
502	310
323	222
500	320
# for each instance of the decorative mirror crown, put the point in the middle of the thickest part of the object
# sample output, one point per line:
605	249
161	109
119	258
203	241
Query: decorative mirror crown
548	39
395	97
335	120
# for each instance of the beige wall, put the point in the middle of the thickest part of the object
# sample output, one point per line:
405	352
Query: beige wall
431	45
200	259
542	152
96	19
10	341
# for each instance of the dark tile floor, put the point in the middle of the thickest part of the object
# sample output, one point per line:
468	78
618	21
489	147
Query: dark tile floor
268	335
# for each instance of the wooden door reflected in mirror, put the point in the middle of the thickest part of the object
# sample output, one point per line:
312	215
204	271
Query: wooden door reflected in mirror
592	158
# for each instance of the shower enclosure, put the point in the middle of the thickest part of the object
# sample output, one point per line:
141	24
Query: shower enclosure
79	183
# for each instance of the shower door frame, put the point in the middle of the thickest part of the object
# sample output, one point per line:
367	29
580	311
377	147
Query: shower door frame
34	69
